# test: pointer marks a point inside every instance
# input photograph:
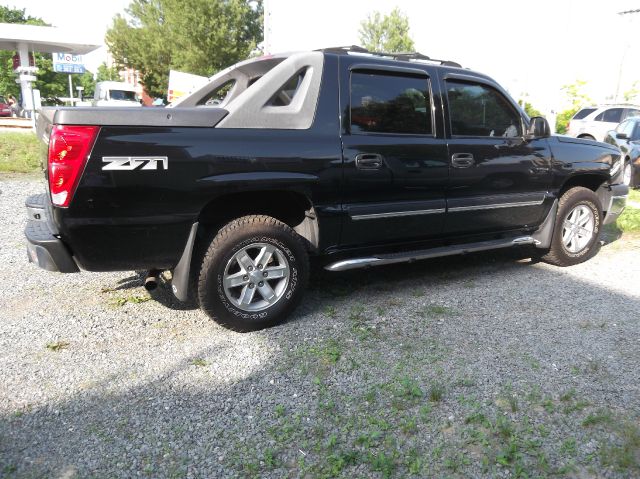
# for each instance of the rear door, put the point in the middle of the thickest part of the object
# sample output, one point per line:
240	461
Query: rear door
395	156
498	181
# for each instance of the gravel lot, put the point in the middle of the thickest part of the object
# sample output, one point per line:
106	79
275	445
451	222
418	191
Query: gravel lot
482	366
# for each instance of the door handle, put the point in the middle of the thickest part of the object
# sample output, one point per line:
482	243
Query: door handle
462	160
369	161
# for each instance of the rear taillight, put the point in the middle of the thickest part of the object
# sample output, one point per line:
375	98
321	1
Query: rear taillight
69	148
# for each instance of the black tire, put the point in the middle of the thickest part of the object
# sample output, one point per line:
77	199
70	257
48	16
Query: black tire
587	137
558	253
242	234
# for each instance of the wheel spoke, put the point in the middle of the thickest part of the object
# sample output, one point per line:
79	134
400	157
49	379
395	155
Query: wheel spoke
267	292
276	272
264	256
245	262
235	280
247	295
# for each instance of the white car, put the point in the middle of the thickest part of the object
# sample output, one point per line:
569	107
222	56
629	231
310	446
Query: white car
593	122
112	93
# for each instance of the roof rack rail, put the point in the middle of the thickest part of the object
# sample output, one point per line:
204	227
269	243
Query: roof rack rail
403	56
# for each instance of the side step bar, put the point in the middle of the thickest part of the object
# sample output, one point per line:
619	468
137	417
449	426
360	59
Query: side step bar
410	256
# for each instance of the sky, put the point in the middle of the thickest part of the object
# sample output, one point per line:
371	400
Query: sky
531	48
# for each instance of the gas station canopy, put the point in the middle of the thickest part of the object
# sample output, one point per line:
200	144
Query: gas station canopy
36	38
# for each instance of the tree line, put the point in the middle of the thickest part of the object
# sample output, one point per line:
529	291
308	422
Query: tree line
205	36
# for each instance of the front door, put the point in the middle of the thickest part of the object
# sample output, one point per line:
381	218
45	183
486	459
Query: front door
498	180
395	159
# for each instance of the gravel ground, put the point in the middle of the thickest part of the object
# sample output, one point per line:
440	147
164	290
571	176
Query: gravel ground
488	365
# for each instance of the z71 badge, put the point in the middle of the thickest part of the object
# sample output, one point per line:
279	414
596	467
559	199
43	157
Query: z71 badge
128	163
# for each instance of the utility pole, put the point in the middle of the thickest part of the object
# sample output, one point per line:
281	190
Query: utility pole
624	54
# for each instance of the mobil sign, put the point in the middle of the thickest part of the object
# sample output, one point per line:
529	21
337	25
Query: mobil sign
68	63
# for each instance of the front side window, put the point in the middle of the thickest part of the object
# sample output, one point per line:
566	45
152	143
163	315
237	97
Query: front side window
628	128
620	128
479	110
385	102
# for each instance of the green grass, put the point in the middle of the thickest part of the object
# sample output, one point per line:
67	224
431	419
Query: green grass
629	221
199	362
57	346
19	153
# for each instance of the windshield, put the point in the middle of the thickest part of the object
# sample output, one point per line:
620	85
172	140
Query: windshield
2	100
123	95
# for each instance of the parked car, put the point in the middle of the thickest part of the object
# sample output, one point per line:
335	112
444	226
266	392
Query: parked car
593	123
113	93
356	158
626	136
5	108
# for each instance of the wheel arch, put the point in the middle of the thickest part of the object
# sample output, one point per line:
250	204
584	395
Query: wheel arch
592	181
588	136
294	208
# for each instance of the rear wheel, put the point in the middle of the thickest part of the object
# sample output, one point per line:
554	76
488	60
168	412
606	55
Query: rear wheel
253	274
587	137
577	228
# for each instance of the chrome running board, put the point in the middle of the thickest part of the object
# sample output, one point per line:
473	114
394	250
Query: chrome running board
409	256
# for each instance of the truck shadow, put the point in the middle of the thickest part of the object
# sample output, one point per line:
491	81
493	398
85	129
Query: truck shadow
211	411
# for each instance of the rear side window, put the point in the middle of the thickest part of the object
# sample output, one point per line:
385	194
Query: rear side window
583	113
612	115
384	102
479	110
631	113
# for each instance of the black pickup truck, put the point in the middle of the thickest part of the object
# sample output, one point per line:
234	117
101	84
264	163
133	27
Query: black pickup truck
359	158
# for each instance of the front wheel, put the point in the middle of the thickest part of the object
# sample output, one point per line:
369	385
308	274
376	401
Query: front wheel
253	274
577	228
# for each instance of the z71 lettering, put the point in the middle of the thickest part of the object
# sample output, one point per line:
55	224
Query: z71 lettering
128	163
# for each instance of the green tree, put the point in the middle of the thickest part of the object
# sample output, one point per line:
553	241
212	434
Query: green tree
632	93
531	111
389	34
196	36
106	73
87	82
577	98
49	83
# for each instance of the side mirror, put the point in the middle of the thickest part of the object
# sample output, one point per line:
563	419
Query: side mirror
538	128
622	136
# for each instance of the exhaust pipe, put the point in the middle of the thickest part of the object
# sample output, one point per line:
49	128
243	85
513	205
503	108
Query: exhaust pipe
151	281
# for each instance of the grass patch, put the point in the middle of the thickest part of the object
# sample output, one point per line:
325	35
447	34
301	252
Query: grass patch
436	311
133	299
19	153
329	353
57	346
199	362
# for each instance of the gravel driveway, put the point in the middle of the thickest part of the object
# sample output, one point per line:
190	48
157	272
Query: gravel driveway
487	365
